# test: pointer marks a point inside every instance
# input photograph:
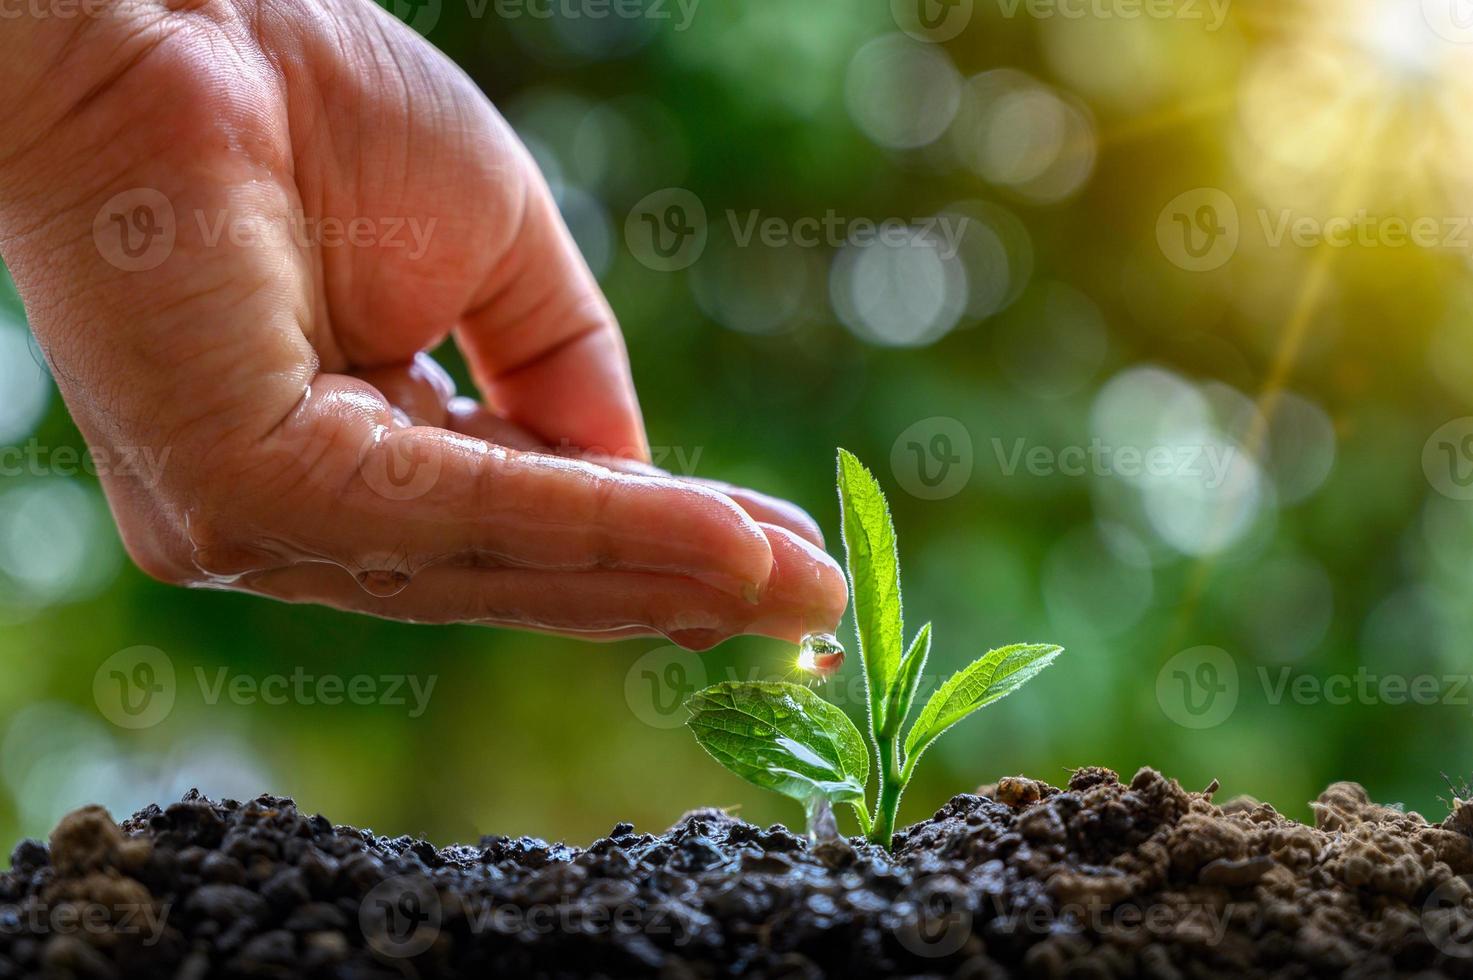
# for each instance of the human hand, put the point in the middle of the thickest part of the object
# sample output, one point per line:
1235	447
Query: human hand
315	453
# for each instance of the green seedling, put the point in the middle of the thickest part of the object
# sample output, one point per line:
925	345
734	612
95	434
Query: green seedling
785	737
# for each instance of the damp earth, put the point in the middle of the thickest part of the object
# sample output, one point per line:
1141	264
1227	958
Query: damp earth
1099	878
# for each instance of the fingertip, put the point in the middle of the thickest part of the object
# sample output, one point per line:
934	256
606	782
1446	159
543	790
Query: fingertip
807	580
740	558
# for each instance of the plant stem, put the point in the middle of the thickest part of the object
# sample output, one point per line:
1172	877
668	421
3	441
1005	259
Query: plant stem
891	785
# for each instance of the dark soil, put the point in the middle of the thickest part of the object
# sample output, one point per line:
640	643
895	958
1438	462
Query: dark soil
1096	880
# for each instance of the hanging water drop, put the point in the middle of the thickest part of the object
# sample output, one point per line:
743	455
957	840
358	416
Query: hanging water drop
821	823
820	654
383	584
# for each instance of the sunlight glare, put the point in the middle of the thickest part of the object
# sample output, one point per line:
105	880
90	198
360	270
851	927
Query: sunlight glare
1398	33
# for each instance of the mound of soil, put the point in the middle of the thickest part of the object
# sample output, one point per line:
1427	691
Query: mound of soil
1099	879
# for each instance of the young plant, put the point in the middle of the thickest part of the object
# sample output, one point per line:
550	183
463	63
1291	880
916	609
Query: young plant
784	737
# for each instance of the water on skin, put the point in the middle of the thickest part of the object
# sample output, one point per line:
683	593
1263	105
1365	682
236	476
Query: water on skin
383	584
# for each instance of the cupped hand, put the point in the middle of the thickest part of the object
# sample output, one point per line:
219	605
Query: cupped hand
239	225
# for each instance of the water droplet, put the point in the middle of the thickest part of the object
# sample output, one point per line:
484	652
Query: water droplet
821	823
383	584
820	654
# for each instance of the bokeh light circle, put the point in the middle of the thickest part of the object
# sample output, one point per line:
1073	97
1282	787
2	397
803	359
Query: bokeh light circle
902	94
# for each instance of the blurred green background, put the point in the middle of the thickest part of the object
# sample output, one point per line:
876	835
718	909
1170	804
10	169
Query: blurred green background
1079	311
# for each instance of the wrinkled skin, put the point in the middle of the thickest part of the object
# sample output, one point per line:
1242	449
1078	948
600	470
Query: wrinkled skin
312	443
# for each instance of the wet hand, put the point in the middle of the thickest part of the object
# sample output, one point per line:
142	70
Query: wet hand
239	225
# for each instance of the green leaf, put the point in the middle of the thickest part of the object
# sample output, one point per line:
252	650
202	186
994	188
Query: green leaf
782	737
989	679
874	577
904	693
